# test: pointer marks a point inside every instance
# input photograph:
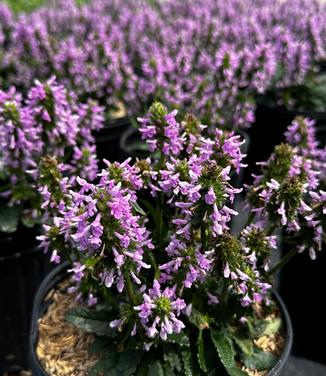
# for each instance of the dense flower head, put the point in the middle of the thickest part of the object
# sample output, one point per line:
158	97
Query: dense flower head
161	130
301	134
290	183
160	310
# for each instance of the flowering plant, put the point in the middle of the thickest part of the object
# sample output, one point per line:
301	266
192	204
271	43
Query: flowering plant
169	286
48	122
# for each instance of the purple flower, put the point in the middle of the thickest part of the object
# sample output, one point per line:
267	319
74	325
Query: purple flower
159	312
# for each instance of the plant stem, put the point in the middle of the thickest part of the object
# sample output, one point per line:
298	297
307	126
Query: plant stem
283	261
203	236
154	265
130	290
270	230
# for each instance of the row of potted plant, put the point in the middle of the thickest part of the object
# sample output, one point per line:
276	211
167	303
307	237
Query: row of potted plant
212	57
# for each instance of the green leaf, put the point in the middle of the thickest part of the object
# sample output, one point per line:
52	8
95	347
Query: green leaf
180	339
201	352
264	327
118	364
223	345
260	360
106	365
272	326
137	208
155	369
9	218
256	327
99	345
198	319
92	322
172	362
128	362
242	340
187	362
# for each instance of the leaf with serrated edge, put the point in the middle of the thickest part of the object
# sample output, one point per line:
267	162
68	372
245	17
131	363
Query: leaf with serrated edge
173	359
273	326
246	344
179	339
260	360
224	348
187	363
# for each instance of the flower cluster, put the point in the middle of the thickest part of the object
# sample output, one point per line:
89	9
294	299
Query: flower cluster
161	309
49	121
209	56
152	239
291	184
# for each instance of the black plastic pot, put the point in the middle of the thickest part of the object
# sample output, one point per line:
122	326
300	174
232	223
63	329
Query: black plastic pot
132	145
39	309
21	272
108	140
302	285
58	274
17	242
268	131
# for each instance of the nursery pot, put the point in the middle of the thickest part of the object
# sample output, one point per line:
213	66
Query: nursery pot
132	145
303	285
108	140
59	273
268	131
17	242
21	272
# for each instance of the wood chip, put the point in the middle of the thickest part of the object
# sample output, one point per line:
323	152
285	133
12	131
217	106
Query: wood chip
62	348
273	343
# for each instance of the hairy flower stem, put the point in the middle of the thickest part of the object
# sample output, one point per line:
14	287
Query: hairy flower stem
283	261
130	290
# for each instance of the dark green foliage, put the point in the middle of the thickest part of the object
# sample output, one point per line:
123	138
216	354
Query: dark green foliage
118	364
91	321
260	360
9	218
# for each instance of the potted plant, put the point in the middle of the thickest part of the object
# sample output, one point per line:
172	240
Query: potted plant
48	120
157	276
